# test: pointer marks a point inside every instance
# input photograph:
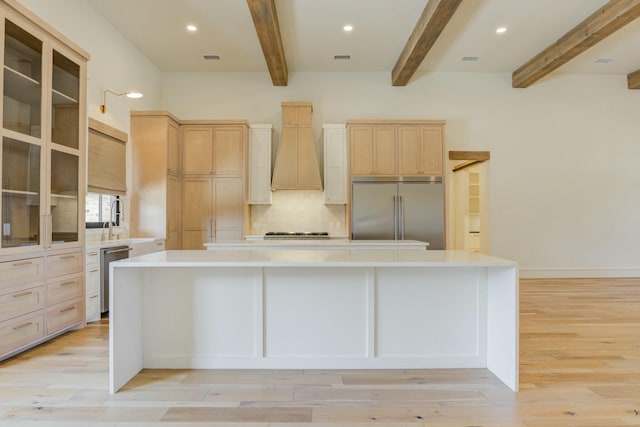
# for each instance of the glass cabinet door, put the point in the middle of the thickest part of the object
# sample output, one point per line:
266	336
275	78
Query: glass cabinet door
64	99
63	199
22	81
63	224
21	163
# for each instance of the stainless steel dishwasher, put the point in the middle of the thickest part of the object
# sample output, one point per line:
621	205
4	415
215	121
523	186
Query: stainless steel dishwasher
108	255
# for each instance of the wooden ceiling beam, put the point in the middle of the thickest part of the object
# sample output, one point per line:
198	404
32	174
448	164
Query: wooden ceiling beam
602	23
633	80
265	19
434	18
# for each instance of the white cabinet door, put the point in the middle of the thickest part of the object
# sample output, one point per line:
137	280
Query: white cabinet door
92	284
335	164
260	164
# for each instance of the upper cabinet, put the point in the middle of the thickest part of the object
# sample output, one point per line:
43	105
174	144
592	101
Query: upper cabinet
43	138
214	149
260	164
420	150
396	148
335	164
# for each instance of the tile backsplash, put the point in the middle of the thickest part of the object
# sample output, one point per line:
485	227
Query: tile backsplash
298	211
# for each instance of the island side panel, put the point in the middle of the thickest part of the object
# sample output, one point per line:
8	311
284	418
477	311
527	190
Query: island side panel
200	317
431	317
503	324
317	313
125	325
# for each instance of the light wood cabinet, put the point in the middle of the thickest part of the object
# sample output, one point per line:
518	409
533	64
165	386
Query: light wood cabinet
260	164
372	150
420	150
42	158
396	147
213	210
214	150
335	164
155	199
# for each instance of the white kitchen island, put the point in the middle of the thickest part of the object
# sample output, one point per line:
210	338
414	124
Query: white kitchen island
307	309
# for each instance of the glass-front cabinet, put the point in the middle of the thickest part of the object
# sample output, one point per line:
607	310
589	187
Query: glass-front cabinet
42	144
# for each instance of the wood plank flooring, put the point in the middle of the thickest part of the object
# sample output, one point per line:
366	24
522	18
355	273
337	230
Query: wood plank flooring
580	366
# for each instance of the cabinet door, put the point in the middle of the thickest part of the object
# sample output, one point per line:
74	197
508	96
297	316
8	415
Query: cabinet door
335	170
197	209
229	206
173	147
260	165
197	150
432	150
384	150
228	151
361	150
409	150
173	213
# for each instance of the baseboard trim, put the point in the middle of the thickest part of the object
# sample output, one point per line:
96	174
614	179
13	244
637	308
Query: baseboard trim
582	273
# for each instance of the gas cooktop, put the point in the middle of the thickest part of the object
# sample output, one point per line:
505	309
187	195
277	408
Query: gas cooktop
296	235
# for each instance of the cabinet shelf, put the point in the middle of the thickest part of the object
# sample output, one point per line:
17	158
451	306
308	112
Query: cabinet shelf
64	196
21	87
60	98
28	193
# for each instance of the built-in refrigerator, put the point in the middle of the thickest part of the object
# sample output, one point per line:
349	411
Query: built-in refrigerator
398	209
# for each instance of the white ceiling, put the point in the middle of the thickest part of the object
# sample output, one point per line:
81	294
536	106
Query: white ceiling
312	34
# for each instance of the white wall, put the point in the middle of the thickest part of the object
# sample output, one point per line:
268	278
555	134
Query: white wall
115	63
564	153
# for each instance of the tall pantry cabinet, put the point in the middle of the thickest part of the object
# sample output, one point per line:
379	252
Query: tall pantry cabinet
155	199
214	184
42	151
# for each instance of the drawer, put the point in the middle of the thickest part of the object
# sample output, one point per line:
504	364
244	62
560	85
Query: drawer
92	307
64	290
61	265
92	283
22	271
64	315
21	302
92	258
21	331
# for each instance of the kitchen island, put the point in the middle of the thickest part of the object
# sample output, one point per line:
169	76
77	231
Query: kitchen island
313	309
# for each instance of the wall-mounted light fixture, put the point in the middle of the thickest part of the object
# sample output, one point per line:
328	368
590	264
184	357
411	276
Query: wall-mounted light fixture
130	94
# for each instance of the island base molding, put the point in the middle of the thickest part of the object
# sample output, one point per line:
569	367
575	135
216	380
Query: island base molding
313	318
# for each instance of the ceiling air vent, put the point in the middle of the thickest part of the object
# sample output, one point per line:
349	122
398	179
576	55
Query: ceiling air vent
211	57
603	60
342	57
470	58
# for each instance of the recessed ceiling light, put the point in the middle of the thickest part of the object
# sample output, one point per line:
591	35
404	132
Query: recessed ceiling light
501	30
470	58
192	28
348	28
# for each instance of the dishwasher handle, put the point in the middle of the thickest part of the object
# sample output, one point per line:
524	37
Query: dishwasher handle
115	251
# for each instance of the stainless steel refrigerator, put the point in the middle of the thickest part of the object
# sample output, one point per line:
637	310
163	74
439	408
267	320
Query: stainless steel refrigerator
398	209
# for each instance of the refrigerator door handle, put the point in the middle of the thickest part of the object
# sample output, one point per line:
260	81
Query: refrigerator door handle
395	219
401	217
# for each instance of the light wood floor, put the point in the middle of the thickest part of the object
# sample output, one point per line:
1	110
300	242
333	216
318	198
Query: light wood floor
580	366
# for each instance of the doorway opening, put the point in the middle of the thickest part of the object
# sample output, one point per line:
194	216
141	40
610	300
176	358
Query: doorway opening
468	201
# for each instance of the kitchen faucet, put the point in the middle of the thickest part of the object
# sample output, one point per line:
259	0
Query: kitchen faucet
113	215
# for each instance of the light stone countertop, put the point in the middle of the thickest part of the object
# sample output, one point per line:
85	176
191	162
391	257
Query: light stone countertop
99	244
315	258
316	244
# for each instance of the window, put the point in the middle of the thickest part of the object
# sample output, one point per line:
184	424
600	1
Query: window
98	207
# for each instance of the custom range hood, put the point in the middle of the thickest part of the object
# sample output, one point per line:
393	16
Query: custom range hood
296	165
